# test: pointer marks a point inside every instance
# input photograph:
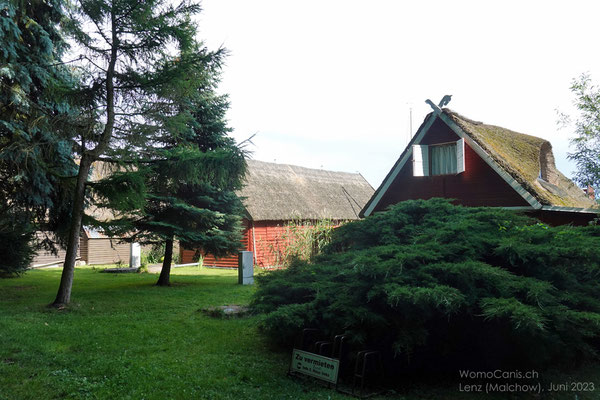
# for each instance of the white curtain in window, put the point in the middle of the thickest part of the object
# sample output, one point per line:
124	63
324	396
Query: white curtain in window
443	159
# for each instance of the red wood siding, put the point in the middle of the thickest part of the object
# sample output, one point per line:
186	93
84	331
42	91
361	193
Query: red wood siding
271	240
267	239
479	185
191	255
267	235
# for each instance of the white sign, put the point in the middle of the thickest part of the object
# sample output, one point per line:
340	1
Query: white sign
314	365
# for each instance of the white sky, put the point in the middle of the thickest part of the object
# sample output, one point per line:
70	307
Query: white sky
329	84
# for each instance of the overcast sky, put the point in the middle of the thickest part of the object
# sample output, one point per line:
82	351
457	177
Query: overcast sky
330	84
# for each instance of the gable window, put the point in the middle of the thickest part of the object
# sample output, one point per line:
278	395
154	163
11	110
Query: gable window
443	159
439	159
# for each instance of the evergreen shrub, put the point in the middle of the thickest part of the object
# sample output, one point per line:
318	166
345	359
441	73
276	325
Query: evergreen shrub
16	243
438	286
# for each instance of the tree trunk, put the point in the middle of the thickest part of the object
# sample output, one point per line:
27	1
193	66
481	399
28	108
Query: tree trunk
165	272
66	281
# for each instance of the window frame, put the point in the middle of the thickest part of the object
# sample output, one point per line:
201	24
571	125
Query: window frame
422	158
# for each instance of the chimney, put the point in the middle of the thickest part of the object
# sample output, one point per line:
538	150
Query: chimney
590	192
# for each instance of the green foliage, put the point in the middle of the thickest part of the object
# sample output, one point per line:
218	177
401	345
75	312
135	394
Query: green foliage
428	280
301	240
155	254
191	174
586	140
16	243
141	71
36	117
75	353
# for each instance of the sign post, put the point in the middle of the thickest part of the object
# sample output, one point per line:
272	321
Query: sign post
320	367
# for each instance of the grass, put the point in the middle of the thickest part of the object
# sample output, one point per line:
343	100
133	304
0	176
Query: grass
124	338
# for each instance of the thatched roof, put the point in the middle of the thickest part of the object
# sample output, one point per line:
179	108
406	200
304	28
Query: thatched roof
528	159
282	192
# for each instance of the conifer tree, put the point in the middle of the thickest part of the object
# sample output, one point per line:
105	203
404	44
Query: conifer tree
35	131
193	199
190	180
135	58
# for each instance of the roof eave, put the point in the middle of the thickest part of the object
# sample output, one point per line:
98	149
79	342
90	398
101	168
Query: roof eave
571	209
404	157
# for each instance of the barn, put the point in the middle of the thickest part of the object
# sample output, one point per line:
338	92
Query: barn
44	257
478	164
94	247
276	194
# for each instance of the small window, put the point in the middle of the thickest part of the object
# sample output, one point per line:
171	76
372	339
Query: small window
443	159
439	159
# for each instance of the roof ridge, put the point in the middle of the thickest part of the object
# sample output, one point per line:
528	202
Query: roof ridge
275	192
306	168
449	111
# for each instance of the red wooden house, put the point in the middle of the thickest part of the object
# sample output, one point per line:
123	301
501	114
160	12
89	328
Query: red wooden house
276	194
482	165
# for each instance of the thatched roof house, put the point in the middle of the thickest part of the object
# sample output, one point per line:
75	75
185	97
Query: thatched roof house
276	194
482	165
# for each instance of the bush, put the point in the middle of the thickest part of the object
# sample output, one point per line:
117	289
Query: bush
300	240
440	286
16	243
155	254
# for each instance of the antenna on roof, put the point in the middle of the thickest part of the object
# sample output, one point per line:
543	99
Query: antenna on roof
445	100
410	125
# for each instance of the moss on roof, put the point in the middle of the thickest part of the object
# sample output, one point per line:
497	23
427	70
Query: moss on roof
521	156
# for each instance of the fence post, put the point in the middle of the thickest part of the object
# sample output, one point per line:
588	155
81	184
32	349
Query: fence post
246	268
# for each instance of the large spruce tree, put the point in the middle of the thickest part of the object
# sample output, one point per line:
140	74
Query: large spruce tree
192	193
135	58
190	177
35	128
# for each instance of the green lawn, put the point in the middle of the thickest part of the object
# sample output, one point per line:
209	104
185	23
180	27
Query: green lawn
124	338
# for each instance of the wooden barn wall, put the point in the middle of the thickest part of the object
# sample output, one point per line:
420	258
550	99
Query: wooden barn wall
190	255
267	239
272	239
101	251
44	257
479	185
83	248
